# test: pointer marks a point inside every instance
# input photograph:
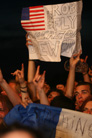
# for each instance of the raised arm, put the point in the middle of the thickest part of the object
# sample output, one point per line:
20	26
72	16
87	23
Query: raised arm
23	87
86	77
39	81
14	98
85	72
31	70
31	73
31	63
71	76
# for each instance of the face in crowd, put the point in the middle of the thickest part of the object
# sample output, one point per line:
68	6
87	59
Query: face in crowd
3	111
5	107
61	87
52	95
46	87
88	108
82	92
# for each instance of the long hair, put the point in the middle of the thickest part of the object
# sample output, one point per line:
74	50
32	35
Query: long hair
7	105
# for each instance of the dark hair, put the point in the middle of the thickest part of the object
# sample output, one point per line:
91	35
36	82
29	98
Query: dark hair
85	83
84	103
19	127
7	106
63	102
56	90
6	102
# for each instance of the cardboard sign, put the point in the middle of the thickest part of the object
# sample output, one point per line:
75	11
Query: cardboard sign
53	29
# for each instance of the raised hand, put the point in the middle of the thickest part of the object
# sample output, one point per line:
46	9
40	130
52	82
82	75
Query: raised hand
84	60
74	59
71	76
19	74
39	80
28	41
26	100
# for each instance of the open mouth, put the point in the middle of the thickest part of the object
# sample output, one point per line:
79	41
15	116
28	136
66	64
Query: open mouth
80	102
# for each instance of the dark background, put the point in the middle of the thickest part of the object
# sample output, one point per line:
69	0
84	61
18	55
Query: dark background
13	51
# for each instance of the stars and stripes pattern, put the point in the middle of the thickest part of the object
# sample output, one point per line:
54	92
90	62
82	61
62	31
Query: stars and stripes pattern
33	18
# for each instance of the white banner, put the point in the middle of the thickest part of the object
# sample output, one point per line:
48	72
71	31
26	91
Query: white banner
74	124
54	30
51	121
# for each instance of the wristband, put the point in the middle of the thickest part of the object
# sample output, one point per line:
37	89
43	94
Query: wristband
24	91
23	87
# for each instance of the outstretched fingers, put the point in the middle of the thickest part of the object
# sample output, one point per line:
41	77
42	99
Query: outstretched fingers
22	68
77	55
16	73
43	76
85	60
37	74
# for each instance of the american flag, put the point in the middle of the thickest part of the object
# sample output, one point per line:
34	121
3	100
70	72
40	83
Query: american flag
47	27
33	18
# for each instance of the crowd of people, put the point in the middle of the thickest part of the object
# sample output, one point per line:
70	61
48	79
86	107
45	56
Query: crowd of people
74	95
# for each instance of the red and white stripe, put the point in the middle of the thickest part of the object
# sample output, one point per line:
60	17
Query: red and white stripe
36	19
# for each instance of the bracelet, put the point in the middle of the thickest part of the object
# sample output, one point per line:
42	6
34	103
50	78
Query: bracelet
23	87
24	91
